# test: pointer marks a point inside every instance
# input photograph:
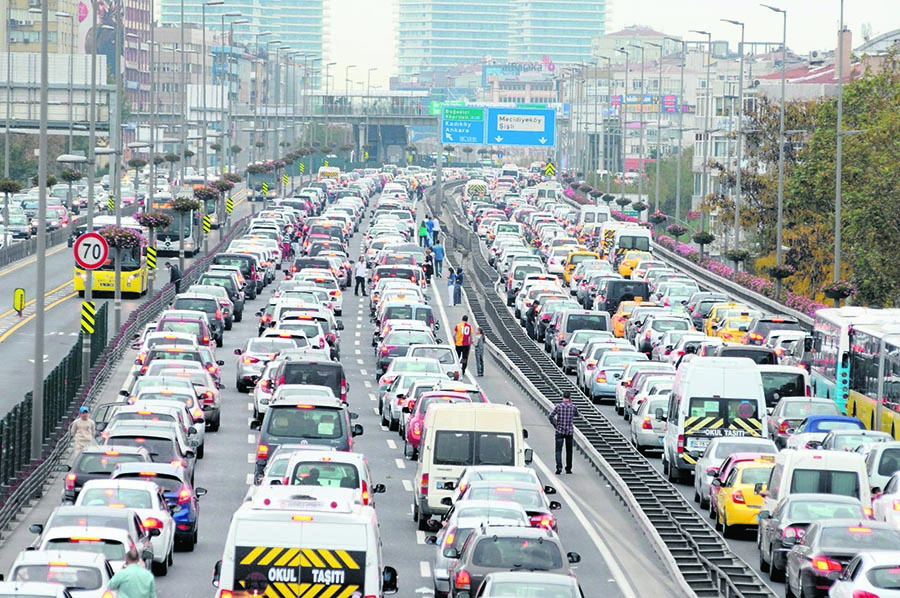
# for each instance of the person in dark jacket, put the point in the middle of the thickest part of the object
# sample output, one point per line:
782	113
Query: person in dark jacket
457	287
531	318
174	276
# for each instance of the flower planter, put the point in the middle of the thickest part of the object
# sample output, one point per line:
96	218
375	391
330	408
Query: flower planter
836	294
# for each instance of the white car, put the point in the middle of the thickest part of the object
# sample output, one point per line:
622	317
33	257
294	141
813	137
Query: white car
109	541
875	573
83	574
148	501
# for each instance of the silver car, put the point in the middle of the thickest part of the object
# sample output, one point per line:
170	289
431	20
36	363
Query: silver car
252	359
577	343
648	430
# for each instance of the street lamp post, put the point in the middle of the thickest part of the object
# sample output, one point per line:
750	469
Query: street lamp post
272	88
641	152
277	150
65	15
781	141
740	139
325	101
839	132
704	180
658	122
605	161
680	124
623	108
256	98
204	116
347	81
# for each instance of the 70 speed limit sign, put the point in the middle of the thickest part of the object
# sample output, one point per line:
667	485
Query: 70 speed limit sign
91	251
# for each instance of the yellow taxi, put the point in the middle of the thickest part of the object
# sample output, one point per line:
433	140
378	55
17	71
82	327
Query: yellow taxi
620	318
575	258
734	329
737	503
631	259
715	315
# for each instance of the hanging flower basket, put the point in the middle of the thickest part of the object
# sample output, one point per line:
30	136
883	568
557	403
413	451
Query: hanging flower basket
623	201
781	272
222	185
703	238
676	230
839	290
736	255
256	169
232	177
184	205
639	206
153	220
607	198
119	237
657	218
205	194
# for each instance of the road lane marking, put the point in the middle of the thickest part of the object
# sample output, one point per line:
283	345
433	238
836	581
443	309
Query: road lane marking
400	464
371	396
420	536
360	361
407	485
364	372
367	384
249	479
391	444
251	458
251	438
358	352
424	569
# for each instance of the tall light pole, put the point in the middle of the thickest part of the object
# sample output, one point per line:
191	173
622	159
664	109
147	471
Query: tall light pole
37	396
116	170
623	108
740	138
270	86
65	15
704	180
325	100
204	116
184	106
347	80
604	161
228	123
277	151
780	222
225	81
680	104
256	98
9	87
839	132
641	152
658	122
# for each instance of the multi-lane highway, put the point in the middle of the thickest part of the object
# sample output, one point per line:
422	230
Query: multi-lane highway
615	558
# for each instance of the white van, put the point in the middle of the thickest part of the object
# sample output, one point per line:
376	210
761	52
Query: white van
817	472
593	215
459	435
882	461
292	538
711	397
784	381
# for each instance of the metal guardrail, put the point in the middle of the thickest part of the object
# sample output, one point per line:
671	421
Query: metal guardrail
693	550
22	480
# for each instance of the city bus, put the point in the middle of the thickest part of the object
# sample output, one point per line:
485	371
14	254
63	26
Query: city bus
865	360
168	239
210	207
134	277
329	172
830	367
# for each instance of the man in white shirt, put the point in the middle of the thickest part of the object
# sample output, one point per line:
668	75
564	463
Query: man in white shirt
435	231
360	273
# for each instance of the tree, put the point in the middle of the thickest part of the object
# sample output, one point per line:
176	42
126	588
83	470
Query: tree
136	163
157	160
172	158
668	179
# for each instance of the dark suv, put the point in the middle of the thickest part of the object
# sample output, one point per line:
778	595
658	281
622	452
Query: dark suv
97	463
208	305
760	328
221	278
297	368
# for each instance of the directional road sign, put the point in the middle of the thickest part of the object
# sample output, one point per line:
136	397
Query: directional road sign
91	251
463	124
521	126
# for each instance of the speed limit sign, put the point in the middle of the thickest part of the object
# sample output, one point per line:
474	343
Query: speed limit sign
91	251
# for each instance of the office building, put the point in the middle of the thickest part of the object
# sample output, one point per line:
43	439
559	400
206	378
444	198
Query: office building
555	29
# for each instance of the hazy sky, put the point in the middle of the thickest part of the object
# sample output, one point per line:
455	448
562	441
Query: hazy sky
363	30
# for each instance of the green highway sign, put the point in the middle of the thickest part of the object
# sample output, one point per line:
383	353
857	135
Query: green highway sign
463	113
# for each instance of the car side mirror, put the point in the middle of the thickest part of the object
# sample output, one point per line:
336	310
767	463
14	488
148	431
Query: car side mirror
437	325
764	515
451	553
529	455
354	415
190	455
447	501
36	528
389	580
789	431
549	490
439	341
258	314
758	488
431	540
124	393
555	505
357	430
339	325
573	557
100	426
198	492
255	424
220	362
217	573
814	444
378	489
147	555
154	532
238	352
716	482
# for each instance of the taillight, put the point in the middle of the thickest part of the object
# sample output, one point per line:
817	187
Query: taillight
784	427
141	357
417	429
184	495
385	351
545	521
218	314
209	397
249	359
808	390
344	390
601	377
863	594
153	523
738	497
423	485
70	481
462	580
821	563
792	532
646	424
680	444
212	368
226	594
205	340
365	493
262	452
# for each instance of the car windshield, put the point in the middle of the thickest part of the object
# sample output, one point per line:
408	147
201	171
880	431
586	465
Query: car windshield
444	355
424	367
585	321
313	423
537	589
517	553
74	577
179	326
755	475
400	338
109	497
162	450
94	463
666	325
319	473
782	384
167	482
270	345
848	442
857	539
821	508
801	409
113	550
619	359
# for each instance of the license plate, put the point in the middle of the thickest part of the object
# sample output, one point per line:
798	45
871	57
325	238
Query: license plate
697	444
445	485
661	439
301	504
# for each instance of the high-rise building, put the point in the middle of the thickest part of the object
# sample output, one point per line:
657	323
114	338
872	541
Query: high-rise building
441	34
560	30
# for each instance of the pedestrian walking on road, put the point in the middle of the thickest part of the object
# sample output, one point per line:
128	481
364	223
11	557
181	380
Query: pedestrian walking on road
83	430
428	266
134	581
531	319
359	272
423	234
435	231
174	276
457	287
438	250
562	417
479	352
451	286
462	339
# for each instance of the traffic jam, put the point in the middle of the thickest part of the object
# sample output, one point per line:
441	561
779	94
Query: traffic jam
719	392
308	525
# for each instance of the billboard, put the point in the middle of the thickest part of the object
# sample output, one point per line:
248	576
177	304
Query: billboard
104	37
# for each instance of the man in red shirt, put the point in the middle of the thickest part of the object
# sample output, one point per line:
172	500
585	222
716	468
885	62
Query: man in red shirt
462	338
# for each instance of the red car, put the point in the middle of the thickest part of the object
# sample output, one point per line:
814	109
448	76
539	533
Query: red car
416	423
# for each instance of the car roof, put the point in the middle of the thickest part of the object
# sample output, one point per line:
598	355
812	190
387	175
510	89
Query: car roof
75	557
160	468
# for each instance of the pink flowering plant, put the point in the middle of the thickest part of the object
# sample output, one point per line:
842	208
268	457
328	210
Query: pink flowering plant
153	220
120	237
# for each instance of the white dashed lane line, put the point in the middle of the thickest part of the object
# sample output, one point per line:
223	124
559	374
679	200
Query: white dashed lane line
424	569
391	444
400	463
407	485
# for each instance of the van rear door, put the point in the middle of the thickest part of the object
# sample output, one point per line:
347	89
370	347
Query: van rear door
711	417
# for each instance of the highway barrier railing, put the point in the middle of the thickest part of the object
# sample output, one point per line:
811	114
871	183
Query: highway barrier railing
22	479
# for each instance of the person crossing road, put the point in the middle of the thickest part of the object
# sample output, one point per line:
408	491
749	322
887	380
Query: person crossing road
462	339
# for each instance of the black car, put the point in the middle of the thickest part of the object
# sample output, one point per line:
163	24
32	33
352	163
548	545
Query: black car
817	560
615	291
700	303
759	355
97	463
761	327
229	283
